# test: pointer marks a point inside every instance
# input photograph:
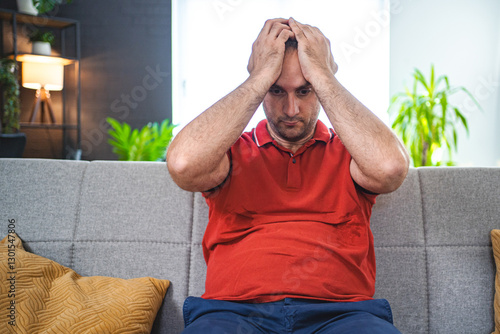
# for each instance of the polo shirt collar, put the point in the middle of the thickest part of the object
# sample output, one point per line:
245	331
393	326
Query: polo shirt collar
262	136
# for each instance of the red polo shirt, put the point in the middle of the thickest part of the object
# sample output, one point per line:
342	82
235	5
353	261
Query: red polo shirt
289	225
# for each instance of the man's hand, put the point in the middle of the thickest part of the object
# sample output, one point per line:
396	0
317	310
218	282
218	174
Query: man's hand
268	50
315	55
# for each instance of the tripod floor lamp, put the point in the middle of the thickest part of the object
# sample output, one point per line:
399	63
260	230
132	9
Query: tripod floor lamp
44	77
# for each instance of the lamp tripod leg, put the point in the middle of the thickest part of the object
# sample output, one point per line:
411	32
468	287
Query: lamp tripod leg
36	106
49	107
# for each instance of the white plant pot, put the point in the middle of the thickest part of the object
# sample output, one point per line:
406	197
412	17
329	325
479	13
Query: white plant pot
26	7
41	48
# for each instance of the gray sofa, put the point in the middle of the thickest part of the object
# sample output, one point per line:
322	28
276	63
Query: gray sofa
434	256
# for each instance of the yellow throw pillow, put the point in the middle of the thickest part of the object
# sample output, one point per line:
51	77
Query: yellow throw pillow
39	295
495	241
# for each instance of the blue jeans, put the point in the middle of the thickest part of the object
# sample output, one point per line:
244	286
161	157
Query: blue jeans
289	315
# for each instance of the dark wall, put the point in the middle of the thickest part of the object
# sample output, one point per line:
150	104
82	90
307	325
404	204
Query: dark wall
125	65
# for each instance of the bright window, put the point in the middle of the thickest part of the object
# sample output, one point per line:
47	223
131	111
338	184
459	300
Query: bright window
212	40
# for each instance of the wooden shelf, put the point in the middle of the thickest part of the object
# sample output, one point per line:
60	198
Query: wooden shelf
68	34
43	21
48	126
34	58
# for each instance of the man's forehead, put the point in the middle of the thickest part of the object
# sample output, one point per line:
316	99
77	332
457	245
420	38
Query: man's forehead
291	76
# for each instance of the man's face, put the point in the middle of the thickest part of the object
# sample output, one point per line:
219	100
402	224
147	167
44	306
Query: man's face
291	106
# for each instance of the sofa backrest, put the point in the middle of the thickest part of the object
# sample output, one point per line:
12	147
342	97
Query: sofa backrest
128	219
434	258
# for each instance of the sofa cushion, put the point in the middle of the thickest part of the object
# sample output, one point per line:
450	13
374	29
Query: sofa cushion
44	296
43	196
460	207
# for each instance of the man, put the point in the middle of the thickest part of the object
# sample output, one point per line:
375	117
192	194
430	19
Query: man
288	245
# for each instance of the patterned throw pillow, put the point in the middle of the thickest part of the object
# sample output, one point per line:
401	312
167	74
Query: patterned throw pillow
42	296
495	242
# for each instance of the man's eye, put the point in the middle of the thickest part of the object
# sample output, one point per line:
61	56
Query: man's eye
303	92
275	91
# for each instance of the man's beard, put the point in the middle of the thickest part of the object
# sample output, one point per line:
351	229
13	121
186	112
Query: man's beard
294	134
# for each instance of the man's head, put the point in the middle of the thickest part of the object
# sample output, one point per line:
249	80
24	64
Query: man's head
291	105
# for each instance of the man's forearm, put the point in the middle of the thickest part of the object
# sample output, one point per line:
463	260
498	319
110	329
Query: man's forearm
380	160
196	158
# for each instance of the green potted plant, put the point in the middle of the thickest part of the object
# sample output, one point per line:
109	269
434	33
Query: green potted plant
45	6
12	142
26	7
41	42
148	144
426	121
35	7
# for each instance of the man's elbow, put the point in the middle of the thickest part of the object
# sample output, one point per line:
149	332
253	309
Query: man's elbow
395	171
194	175
178	167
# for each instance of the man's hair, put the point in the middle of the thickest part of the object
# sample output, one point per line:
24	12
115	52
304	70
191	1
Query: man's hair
291	44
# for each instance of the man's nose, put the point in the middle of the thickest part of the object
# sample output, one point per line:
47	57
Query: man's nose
291	108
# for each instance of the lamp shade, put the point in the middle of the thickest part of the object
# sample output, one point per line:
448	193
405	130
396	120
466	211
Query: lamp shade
43	75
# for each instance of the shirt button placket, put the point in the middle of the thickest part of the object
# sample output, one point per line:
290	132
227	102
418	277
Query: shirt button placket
293	177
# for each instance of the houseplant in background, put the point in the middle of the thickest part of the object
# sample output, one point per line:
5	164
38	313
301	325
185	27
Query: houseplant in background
35	7
426	121
12	142
46	6
41	42
148	144
26	7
